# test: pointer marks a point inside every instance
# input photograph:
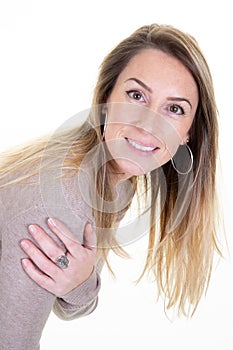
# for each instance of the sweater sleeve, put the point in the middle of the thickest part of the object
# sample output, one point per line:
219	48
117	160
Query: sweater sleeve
24	305
81	301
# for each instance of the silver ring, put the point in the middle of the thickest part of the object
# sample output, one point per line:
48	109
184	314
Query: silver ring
62	262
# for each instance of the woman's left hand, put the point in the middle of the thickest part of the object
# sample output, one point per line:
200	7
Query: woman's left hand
41	266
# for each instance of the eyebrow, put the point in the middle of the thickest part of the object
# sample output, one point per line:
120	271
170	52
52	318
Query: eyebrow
150	90
180	99
140	83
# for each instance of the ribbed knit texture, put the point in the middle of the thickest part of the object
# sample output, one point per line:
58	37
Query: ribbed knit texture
24	305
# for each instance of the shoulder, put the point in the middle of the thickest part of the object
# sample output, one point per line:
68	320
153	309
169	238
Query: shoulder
44	195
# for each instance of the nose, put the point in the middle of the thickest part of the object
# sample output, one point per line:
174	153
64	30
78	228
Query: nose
148	121
154	124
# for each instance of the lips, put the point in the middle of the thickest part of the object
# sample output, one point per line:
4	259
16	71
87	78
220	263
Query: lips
147	148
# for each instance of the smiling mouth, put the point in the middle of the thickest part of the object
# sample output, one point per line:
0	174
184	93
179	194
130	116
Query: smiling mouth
141	147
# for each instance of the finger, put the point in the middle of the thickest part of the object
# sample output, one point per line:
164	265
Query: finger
47	244
71	242
90	239
40	259
36	275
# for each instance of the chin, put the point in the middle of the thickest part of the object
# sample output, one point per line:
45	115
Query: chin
130	169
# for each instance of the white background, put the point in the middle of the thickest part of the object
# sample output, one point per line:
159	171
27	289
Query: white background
50	52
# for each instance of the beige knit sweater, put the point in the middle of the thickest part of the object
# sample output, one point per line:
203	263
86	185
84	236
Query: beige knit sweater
25	306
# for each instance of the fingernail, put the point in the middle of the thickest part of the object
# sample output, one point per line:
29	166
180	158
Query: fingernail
24	262
52	222
32	228
24	244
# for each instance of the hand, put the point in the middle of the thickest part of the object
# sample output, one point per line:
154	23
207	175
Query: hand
41	267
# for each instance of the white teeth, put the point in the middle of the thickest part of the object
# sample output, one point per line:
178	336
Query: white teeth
140	147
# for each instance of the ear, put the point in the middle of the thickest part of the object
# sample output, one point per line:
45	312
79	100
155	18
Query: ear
103	119
185	139
104	109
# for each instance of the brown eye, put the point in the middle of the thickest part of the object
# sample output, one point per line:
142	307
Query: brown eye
176	109
136	95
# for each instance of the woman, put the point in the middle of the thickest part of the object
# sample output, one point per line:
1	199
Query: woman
154	95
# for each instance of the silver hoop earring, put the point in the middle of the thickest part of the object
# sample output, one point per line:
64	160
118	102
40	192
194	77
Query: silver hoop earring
191	164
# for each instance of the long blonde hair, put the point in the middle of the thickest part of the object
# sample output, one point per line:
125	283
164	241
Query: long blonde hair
181	255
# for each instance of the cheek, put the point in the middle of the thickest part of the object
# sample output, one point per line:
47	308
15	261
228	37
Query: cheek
183	128
117	95
113	131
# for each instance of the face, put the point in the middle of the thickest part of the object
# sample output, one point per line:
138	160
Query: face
161	86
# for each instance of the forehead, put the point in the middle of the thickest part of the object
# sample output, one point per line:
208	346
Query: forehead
152	58
155	65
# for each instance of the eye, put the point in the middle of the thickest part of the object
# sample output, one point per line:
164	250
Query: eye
136	95
176	109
